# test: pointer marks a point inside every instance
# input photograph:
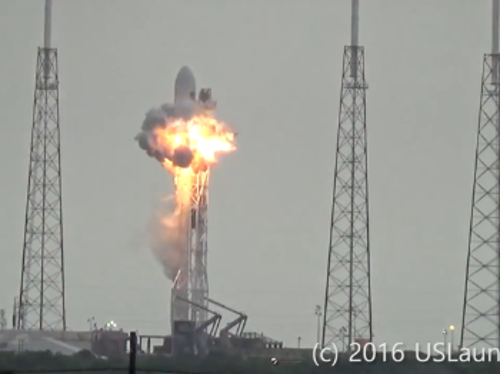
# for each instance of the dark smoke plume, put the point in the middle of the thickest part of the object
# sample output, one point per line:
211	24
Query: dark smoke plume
162	117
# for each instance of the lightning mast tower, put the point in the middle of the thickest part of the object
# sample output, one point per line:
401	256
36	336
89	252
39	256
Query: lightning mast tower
42	294
347	312
481	306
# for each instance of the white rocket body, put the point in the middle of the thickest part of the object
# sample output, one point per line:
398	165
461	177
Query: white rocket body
185	86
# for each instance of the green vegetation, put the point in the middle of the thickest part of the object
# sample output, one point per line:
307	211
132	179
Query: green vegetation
85	362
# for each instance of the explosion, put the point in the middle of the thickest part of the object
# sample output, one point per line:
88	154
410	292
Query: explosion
193	144
187	140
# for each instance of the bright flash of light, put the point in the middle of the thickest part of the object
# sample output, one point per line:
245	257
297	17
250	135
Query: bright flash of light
204	136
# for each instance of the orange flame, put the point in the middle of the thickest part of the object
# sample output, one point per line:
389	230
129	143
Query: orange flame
204	136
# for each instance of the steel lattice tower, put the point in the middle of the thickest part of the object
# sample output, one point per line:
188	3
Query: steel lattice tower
190	289
347	314
481	308
198	251
42	293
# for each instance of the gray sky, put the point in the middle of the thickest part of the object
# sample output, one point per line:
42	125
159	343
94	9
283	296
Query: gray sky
274	68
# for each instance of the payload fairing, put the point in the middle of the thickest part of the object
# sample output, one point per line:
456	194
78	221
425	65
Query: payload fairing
185	86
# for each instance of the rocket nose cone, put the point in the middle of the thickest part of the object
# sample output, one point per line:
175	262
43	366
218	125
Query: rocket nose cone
185	71
185	84
184	76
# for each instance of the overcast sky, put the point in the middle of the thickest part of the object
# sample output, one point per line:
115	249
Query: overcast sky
274	67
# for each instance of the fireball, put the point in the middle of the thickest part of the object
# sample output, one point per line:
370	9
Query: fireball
187	147
194	144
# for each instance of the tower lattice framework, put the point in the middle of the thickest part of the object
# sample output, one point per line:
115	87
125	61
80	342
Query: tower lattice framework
198	277
347	311
42	292
480	318
190	289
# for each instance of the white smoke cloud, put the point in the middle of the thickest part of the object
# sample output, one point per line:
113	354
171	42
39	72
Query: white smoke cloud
167	237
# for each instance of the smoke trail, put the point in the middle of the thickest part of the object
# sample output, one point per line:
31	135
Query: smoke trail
166	229
165	241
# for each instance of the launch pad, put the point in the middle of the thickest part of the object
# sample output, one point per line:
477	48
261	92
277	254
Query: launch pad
188	338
